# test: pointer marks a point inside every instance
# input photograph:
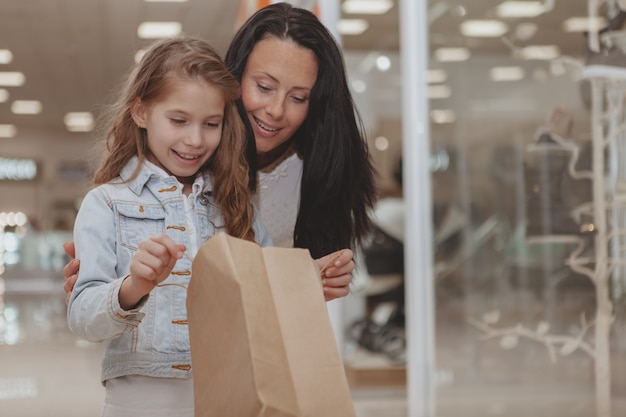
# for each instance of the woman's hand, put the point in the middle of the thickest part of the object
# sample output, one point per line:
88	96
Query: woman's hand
336	271
70	271
151	264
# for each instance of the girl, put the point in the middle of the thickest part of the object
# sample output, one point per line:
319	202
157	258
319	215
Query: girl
173	175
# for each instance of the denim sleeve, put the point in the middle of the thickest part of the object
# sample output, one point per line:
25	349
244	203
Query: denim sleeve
94	312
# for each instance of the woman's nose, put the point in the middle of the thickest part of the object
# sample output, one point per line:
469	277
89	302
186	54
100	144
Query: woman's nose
275	107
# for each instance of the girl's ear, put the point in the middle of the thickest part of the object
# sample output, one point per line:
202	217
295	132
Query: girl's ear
138	113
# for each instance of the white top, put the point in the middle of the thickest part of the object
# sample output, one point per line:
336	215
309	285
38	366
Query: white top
143	396
278	197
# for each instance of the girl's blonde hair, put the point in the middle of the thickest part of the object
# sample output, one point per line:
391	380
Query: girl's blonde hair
190	59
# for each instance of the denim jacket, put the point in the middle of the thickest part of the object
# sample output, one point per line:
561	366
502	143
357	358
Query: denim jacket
153	338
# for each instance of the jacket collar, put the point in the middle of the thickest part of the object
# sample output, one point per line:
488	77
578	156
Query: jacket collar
145	175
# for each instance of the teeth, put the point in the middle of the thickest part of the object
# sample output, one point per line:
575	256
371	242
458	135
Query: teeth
187	156
265	127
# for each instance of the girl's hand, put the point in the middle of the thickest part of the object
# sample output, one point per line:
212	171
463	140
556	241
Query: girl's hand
335	269
152	263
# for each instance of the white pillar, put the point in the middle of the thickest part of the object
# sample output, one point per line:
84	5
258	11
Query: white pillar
418	244
329	16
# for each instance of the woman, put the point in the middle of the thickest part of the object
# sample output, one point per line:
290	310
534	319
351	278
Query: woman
309	161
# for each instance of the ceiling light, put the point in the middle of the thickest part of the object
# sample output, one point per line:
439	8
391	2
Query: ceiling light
11	79
4	95
383	63
452	54
506	73
585	24
439	91
539	52
26	107
79	121
443	116
436	76
6	56
352	26
158	30
512	8
381	143
7	131
484	28
366	6
165	1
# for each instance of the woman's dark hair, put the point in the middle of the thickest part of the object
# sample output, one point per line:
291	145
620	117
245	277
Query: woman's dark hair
337	189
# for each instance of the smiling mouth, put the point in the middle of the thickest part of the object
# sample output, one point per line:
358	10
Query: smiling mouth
189	157
264	127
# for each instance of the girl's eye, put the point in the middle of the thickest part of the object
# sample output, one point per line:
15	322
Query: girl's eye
213	124
177	121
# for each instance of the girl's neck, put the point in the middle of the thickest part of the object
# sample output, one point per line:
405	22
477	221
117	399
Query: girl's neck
187	183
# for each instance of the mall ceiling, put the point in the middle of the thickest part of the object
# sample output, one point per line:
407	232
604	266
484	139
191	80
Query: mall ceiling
73	52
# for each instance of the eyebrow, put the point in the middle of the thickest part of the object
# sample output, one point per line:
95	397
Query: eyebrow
186	113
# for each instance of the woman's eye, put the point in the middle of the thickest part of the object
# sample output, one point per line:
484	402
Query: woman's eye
299	99
263	87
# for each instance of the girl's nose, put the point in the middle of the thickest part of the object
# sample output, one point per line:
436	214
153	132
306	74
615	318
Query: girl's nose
194	138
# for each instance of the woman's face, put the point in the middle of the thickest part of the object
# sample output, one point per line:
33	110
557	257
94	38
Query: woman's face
275	88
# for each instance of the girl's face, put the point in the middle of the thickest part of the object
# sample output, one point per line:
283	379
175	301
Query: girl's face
275	88
183	125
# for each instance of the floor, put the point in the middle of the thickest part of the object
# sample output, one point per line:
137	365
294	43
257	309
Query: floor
46	371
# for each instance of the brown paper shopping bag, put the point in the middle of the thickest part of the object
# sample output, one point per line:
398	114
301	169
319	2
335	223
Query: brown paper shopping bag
261	340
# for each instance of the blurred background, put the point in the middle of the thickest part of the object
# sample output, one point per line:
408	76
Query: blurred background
508	100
